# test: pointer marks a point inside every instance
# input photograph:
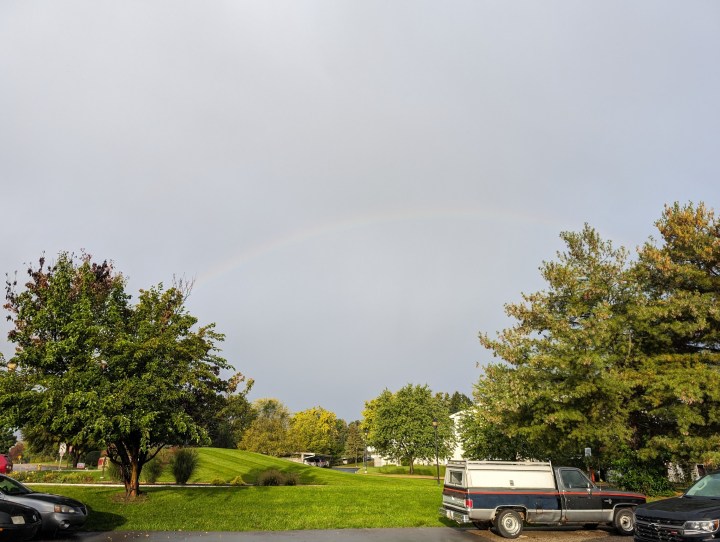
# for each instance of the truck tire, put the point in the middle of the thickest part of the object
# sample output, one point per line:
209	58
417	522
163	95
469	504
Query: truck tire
508	524
624	521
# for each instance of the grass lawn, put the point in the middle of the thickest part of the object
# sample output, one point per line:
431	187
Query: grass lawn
326	499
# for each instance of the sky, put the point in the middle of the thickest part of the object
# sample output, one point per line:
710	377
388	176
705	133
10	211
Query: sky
356	188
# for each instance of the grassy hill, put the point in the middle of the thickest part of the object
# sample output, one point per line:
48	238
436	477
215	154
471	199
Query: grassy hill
220	465
326	499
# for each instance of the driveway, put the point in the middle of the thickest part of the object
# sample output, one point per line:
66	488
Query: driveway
440	534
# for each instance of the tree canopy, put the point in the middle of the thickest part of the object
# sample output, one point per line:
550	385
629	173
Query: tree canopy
316	430
620	356
269	432
93	367
400	425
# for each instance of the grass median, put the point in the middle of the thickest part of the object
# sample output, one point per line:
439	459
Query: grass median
324	499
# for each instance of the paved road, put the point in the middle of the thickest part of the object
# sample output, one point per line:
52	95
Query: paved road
441	534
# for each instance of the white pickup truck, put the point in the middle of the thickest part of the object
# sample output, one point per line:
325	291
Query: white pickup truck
507	495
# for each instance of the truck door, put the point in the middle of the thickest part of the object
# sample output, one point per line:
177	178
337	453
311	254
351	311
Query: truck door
581	500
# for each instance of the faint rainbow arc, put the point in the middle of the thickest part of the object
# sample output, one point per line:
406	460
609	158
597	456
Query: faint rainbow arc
362	221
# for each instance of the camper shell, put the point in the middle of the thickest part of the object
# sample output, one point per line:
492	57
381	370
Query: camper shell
506	495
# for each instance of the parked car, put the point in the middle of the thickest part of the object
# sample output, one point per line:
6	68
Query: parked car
6	464
18	522
694	516
506	495
58	513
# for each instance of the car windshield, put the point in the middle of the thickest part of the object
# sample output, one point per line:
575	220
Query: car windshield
707	486
11	487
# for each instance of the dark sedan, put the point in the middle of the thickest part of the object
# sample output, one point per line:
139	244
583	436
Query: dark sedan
18	522
58	513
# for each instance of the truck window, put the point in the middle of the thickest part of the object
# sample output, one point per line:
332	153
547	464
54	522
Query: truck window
574	479
455	477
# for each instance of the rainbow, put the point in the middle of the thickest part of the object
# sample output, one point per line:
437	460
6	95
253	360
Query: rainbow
325	229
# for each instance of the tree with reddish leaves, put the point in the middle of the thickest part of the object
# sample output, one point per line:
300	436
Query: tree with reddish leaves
90	366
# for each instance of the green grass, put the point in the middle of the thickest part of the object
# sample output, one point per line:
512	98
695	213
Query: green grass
327	500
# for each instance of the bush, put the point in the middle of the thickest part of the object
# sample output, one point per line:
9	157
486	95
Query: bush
274	477
91	458
152	470
113	472
633	475
237	481
291	478
183	464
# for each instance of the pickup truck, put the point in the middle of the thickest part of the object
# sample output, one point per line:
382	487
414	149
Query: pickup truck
692	517
506	495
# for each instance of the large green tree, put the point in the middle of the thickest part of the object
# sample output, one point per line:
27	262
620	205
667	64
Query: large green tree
562	385
618	356
93	367
269	432
400	425
355	441
7	440
316	430
677	330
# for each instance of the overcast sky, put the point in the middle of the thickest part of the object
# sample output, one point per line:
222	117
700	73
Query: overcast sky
357	187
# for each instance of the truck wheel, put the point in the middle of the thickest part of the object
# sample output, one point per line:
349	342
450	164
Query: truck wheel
624	521
509	524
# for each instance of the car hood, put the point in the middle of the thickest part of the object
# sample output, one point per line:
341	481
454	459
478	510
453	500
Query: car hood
36	499
685	508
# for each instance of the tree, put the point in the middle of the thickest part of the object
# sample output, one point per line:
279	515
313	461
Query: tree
92	367
614	355
315	430
234	414
355	441
7	440
269	432
567	370
677	330
455	402
400	425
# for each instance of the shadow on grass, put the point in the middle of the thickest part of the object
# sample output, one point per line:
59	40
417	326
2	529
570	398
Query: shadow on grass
103	521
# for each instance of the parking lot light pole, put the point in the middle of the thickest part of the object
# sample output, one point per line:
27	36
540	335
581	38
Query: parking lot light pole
437	459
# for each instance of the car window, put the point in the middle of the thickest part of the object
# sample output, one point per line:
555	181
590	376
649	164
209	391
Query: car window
708	486
10	487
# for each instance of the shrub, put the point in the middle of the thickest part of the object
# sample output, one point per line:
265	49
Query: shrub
634	475
272	477
237	481
91	458
183	464
113	472
152	470
291	478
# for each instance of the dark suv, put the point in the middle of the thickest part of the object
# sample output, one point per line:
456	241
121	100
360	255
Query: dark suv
6	464
694	516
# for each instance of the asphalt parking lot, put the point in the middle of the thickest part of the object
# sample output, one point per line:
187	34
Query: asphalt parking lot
441	534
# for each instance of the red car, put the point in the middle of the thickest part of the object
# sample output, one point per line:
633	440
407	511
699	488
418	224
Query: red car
6	464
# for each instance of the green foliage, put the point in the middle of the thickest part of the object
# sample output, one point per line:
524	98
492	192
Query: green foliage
354	442
274	477
7	440
234	415
152	471
183	464
612	354
400	425
269	432
631	473
91	458
316	430
92	368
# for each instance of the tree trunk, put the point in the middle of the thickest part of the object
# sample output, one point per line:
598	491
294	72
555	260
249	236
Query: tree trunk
412	466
